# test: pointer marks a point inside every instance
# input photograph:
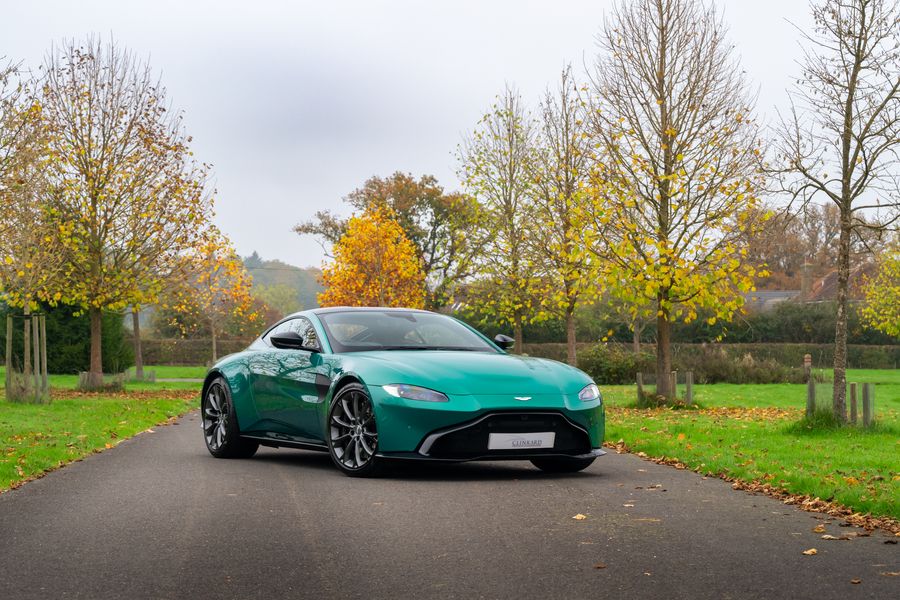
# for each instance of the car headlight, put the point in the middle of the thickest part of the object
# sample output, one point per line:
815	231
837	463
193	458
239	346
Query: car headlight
589	392
414	392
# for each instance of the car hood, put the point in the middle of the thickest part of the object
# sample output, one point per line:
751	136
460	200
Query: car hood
481	373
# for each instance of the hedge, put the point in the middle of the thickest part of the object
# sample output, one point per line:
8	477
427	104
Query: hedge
789	355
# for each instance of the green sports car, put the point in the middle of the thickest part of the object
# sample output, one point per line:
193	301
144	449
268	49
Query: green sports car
371	384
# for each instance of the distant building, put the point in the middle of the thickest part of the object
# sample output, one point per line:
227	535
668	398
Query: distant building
764	300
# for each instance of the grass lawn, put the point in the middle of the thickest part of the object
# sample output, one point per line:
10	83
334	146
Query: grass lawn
750	432
175	372
39	438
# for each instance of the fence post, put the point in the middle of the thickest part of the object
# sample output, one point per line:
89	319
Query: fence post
689	387
853	402
810	398
807	366
640	388
674	384
868	398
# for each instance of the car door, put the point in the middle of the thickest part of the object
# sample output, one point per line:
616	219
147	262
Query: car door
284	384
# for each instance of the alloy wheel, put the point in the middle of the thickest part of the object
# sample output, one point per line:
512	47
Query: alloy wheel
215	417
354	438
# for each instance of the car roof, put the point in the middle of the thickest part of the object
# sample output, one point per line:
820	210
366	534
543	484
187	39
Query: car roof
332	309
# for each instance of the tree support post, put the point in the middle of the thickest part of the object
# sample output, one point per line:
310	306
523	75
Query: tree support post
9	344
868	401
853	403
640	388
674	385
689	387
810	398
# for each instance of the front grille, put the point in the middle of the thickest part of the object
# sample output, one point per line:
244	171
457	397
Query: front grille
471	440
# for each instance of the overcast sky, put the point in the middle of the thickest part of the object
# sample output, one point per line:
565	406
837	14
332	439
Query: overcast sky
298	103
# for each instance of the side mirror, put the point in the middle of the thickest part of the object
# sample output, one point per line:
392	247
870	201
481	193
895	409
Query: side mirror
290	340
504	341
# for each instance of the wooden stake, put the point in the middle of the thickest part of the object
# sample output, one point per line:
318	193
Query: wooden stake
689	387
36	349
853	402
46	373
868	401
811	398
640	387
9	345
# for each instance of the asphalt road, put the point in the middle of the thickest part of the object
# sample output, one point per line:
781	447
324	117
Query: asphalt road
157	517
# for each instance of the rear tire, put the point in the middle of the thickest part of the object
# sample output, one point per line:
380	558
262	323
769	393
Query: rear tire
220	425
562	465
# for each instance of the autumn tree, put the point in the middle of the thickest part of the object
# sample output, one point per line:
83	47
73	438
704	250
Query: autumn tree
122	186
882	307
676	169
840	139
30	256
440	225
217	291
559	175
374	264
496	165
803	243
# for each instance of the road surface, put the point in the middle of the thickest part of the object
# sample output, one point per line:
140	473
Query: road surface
157	517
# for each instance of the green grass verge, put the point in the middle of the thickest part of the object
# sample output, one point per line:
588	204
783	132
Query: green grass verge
757	433
39	438
70	382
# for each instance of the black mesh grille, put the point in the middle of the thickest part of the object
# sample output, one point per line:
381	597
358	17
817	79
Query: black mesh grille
472	440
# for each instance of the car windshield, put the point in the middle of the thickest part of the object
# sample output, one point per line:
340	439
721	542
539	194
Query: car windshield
361	330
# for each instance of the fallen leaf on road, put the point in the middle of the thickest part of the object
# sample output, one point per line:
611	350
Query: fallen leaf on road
580	517
108	446
810	552
832	537
855	581
890	541
628	505
819	529
600	566
649	520
890	573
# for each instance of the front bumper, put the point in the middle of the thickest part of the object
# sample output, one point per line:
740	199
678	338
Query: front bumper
459	429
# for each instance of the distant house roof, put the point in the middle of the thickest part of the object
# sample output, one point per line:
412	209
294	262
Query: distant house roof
826	287
763	300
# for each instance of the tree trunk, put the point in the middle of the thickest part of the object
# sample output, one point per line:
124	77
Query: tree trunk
95	374
570	336
138	356
663	354
215	350
839	398
517	334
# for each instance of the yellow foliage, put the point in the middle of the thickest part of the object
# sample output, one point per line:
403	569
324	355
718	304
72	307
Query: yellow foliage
375	264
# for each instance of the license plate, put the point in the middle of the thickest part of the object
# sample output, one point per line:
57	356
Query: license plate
521	441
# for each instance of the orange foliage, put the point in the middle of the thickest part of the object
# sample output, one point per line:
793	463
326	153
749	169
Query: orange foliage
375	264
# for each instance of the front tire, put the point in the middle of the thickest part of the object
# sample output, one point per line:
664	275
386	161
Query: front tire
220	426
352	434
562	465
